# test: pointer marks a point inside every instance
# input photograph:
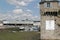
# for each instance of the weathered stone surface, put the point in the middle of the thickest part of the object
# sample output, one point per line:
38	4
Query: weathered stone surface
50	34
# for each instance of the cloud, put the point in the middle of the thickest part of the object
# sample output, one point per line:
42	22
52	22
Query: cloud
28	10
18	14
19	2
17	11
26	14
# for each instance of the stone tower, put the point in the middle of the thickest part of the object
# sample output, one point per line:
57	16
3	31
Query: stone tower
50	19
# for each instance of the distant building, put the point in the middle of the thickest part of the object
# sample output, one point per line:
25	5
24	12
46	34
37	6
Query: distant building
50	19
37	23
23	24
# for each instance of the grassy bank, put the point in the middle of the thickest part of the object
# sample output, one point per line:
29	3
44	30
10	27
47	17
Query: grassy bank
18	36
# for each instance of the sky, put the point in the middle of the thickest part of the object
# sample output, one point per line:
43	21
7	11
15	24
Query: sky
19	9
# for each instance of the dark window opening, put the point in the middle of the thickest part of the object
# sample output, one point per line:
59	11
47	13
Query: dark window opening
55	13
51	13
48	4
9	24
18	24
59	12
58	25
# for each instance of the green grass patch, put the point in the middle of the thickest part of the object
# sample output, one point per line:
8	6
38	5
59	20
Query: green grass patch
18	36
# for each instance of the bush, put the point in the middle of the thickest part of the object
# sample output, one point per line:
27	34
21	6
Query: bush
13	29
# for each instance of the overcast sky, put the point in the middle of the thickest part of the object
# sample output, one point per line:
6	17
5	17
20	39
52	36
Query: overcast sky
19	9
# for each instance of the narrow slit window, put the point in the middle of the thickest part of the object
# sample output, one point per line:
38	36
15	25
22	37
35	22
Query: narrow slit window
48	4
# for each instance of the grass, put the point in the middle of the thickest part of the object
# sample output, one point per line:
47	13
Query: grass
18	36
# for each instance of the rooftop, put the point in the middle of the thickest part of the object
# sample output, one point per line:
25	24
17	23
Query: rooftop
43	1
